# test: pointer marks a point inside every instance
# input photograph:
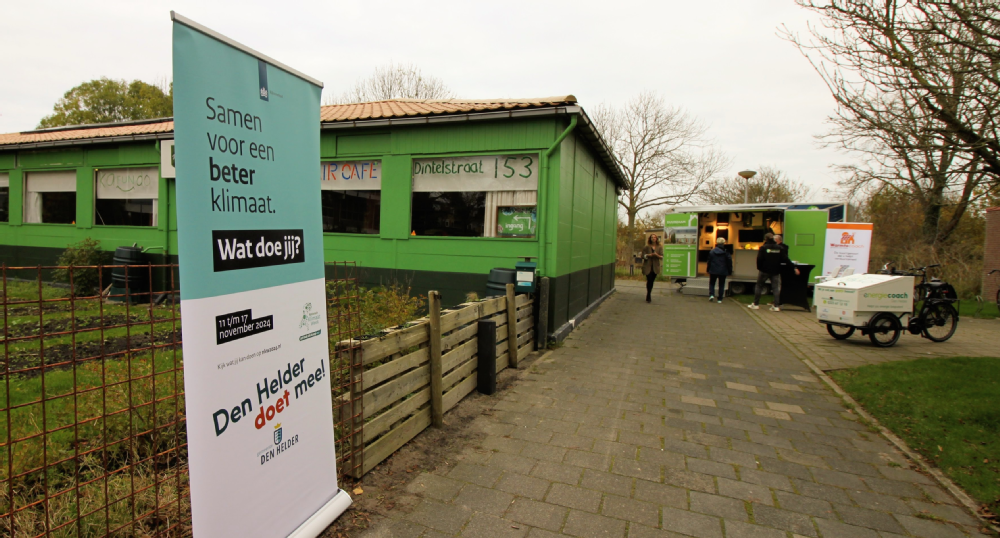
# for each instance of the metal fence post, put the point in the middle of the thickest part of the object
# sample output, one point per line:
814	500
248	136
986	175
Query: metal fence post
486	369
434	337
511	326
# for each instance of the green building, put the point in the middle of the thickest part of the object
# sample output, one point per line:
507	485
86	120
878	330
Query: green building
427	194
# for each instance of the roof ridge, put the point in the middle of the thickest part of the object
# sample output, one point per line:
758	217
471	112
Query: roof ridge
569	98
84	126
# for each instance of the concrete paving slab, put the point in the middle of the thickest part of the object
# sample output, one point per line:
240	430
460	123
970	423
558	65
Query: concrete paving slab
646	423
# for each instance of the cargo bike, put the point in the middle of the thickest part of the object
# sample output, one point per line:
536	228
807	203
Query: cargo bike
882	305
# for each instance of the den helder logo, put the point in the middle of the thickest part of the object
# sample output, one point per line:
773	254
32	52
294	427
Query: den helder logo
275	396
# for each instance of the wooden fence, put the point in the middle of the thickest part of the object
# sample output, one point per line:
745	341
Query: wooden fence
413	374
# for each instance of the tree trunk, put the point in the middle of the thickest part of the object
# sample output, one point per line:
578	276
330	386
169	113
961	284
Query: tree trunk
631	235
932	216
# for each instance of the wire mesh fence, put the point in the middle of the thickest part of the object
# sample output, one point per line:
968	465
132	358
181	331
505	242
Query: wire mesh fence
92	424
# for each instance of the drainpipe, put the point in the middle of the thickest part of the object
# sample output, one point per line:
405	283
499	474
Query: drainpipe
543	196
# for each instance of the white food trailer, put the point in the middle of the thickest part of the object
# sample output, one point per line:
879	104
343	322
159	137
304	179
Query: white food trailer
690	233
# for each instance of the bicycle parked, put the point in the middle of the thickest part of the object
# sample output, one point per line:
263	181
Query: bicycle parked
933	315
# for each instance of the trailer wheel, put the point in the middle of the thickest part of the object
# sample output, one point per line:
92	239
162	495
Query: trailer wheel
839	331
884	329
737	288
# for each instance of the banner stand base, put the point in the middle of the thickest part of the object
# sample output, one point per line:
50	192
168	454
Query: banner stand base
318	522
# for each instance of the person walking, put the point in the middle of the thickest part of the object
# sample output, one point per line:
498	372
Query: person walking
770	258
652	263
720	265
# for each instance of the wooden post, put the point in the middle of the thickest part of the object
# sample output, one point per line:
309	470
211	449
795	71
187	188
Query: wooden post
511	326
434	337
486	369
356	406
542	314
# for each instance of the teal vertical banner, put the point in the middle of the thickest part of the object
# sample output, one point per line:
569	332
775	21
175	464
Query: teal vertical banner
258	403
247	153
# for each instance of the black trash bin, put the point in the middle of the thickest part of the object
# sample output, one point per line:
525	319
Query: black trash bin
133	286
497	282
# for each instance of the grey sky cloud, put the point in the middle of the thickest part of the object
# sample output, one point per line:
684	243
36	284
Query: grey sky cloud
721	60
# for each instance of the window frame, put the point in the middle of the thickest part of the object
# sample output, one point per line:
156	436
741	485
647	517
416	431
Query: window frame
538	189
353	158
7	181
25	177
156	201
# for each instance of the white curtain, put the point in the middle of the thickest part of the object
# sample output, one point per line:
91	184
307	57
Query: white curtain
498	199
37	183
4	181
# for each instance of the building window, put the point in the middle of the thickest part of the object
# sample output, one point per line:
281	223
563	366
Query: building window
4	198
475	196
126	197
50	197
351	194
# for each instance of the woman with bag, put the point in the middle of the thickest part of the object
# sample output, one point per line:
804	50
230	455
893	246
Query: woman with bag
652	263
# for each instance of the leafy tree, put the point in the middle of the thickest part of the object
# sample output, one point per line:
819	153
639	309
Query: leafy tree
394	81
770	185
916	87
105	101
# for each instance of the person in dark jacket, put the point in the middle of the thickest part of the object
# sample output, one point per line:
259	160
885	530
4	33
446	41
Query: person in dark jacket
720	265
770	259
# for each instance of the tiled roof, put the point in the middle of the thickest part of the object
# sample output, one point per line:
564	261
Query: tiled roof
84	132
396	108
399	108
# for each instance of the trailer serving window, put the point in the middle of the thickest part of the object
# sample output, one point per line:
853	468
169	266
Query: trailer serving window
351	194
475	196
50	197
4	198
126	196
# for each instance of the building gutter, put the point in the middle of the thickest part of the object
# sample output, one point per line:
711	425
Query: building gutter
169	135
543	197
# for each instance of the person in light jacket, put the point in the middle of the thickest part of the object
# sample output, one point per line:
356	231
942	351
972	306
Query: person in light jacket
720	265
652	263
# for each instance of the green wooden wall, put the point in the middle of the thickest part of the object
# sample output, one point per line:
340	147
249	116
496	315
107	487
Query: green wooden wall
577	208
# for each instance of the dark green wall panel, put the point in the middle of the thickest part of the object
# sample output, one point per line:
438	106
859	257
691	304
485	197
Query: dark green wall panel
57	158
369	144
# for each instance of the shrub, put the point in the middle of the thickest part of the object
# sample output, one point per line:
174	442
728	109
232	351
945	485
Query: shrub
84	253
377	308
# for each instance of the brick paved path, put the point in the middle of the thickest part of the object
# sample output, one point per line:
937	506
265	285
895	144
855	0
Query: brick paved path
679	418
973	338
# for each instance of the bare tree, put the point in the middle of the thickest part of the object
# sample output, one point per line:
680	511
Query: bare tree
914	85
770	185
394	81
664	153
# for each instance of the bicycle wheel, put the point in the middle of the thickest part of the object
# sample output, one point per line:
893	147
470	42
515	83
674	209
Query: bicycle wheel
884	329
839	331
940	321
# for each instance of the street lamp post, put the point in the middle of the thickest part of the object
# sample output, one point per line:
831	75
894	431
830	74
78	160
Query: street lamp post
747	174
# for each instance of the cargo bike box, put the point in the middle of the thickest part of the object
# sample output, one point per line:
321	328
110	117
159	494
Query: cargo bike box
878	304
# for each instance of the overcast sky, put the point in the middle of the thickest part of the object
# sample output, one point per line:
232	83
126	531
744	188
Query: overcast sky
722	61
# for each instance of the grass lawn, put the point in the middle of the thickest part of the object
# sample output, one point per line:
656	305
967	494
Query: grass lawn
967	308
946	409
